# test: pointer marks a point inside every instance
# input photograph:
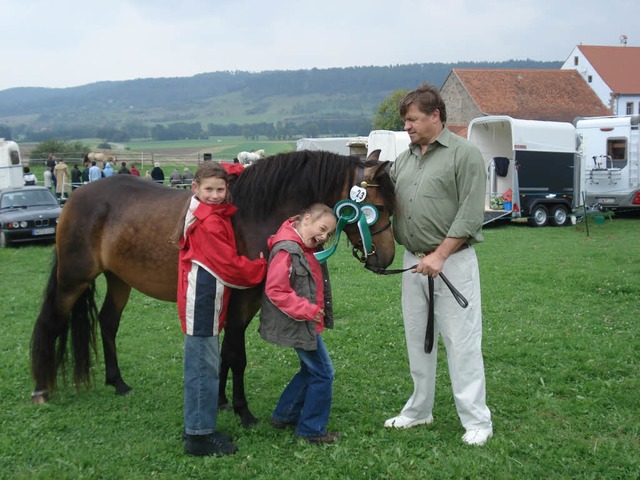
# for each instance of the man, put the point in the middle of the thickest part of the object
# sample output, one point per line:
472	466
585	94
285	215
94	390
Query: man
63	179
123	169
76	177
440	188
94	172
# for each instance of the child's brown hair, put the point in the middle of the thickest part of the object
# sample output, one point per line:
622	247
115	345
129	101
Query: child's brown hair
210	169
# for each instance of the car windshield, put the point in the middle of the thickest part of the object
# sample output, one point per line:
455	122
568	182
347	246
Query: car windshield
27	198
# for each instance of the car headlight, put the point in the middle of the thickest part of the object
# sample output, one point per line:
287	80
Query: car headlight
22	224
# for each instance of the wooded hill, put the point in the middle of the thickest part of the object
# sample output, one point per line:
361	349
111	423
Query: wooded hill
343	99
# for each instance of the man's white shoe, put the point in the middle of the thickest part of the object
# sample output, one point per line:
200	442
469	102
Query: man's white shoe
402	421
477	437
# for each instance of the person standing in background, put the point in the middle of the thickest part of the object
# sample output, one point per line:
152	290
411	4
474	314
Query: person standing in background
123	169
157	174
63	179
76	177
94	172
134	171
47	178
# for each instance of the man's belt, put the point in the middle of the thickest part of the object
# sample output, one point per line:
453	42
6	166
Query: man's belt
421	255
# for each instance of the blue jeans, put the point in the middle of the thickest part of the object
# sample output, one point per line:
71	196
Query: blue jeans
201	380
307	399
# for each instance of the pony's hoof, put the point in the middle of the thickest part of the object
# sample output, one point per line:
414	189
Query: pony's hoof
224	406
41	397
121	387
248	419
121	392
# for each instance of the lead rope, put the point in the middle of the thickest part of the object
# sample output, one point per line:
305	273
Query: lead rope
429	338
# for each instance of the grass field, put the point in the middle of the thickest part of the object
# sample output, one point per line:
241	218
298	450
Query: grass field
561	351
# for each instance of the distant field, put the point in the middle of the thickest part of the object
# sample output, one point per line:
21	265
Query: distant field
170	154
217	146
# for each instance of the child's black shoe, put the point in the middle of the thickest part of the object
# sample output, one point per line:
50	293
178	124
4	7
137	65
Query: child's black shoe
212	444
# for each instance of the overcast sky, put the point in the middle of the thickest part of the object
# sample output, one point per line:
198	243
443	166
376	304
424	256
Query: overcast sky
64	43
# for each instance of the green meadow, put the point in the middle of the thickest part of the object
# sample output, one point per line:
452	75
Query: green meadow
561	348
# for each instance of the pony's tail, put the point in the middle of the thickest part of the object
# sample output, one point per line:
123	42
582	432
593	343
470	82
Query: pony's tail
48	330
50	333
84	319
179	228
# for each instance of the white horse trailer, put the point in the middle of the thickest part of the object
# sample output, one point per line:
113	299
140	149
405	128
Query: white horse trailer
10	165
390	143
610	150
535	162
339	145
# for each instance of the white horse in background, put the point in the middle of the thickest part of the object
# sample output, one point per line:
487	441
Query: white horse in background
100	157
247	158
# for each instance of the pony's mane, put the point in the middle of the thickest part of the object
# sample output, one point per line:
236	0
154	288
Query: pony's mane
305	176
302	178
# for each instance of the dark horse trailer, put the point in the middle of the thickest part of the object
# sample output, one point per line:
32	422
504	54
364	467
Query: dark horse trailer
532	163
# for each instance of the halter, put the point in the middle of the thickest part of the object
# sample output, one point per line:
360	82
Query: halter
354	211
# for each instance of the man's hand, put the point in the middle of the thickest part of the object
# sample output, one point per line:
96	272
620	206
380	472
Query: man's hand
431	265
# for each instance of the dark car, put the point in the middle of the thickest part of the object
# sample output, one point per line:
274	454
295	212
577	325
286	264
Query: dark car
28	214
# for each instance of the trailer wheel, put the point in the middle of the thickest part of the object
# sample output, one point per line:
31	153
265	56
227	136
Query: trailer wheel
559	216
539	216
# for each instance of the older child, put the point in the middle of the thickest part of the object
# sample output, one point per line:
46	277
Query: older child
293	315
209	265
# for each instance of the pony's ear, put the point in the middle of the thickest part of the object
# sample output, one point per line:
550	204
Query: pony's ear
384	167
375	155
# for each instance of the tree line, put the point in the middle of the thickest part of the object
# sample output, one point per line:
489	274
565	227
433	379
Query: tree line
334	101
283	130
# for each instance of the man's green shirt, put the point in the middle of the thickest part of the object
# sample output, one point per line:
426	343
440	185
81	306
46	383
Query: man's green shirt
440	194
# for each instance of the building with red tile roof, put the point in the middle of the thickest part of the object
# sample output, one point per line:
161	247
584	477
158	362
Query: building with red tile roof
557	95
612	72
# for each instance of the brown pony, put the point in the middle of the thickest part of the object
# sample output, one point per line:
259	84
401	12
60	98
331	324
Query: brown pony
122	227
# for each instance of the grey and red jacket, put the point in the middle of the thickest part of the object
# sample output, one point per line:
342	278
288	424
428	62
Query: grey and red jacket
297	287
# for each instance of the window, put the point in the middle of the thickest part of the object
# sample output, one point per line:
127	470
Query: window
15	157
575	60
617	150
629	108
589	79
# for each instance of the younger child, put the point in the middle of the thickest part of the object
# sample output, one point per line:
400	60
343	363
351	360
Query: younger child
293	315
208	266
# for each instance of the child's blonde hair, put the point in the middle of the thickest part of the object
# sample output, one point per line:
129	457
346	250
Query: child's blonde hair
315	210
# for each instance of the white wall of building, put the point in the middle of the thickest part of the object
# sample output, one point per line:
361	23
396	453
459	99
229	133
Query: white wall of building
618	105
